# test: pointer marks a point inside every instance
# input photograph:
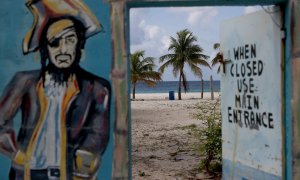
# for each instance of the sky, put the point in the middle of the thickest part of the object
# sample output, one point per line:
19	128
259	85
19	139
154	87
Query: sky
151	28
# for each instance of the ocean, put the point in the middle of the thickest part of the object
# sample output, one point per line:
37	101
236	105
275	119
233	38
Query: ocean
166	86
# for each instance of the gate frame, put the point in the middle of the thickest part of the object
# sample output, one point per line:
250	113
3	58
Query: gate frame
121	73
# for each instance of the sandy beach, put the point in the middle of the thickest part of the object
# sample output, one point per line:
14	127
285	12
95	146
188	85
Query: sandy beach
162	148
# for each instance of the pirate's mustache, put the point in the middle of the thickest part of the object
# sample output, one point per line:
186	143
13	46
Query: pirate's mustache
63	56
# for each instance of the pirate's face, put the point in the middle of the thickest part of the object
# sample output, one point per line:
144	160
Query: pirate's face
62	43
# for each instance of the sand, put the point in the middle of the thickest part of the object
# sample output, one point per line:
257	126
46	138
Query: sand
162	148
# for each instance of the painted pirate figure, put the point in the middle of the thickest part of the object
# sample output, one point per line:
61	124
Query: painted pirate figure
65	109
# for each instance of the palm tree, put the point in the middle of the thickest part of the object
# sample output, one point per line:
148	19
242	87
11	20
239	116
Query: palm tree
184	51
142	70
219	59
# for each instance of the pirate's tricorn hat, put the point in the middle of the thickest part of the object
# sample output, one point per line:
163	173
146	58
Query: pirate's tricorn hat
44	10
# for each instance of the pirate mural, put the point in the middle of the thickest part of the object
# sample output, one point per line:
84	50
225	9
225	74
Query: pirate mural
64	108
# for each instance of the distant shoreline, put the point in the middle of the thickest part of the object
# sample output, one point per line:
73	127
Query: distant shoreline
165	96
166	86
174	92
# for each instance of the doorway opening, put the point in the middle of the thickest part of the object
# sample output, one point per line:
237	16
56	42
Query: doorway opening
165	130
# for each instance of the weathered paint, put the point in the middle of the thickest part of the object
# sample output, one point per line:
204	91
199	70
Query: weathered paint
120	81
244	172
288	126
253	44
79	116
11	11
295	53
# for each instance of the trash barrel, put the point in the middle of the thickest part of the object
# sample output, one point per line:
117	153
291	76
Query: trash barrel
171	95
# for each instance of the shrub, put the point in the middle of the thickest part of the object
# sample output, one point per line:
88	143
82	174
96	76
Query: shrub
210	136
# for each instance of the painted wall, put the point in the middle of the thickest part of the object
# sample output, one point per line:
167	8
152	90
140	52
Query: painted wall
16	20
251	107
100	49
295	29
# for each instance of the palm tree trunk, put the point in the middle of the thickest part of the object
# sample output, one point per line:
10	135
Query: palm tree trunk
179	87
211	88
133	90
201	88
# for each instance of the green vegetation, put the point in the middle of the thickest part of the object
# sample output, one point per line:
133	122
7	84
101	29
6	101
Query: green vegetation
219	59
141	173
184	51
210	137
142	69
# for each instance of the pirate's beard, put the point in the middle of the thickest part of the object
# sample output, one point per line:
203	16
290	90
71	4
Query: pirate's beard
60	76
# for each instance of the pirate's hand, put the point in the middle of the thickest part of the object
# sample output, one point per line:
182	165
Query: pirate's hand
19	158
7	143
86	164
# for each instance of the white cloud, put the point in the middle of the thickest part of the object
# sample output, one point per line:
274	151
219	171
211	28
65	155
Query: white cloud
142	24
194	16
145	45
251	9
137	22
179	9
197	15
208	18
152	31
165	41
150	39
155	41
146	36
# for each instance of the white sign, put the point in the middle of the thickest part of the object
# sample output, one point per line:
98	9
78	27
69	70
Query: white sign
251	93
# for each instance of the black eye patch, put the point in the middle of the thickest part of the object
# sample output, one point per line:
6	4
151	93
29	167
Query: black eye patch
54	43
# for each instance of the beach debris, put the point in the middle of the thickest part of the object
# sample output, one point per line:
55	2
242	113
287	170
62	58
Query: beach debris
141	173
173	153
152	157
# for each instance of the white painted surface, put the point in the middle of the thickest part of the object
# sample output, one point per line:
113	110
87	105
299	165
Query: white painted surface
257	148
